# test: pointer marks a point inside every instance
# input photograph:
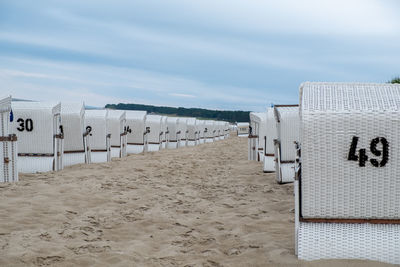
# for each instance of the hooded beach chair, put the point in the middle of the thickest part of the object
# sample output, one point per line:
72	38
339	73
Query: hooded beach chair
243	129
155	134
76	135
40	136
174	132
287	134
137	134
96	125
347	187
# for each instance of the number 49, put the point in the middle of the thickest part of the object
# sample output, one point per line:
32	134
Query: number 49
362	153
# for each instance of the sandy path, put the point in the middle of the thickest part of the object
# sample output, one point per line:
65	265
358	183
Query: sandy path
200	206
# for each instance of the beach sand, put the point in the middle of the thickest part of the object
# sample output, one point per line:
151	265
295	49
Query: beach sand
196	206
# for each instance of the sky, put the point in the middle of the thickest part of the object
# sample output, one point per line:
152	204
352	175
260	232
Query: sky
217	54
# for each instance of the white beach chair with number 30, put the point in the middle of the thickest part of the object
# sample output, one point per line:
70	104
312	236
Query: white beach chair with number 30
348	180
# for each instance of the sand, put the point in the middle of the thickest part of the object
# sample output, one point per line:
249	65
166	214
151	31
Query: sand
196	206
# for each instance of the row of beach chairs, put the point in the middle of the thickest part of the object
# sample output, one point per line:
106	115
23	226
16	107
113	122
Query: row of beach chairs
341	148
40	137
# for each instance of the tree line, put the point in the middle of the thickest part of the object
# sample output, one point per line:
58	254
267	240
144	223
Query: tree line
224	115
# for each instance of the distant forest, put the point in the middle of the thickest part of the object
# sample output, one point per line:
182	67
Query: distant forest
230	116
395	80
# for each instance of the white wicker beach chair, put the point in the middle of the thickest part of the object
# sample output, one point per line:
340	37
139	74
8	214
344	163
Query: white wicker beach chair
287	132
76	135
347	187
183	129
174	133
210	131
192	131
202	131
165	133
154	136
116	120
8	143
227	130
254	144
270	136
40	136
100	143
243	129
137	134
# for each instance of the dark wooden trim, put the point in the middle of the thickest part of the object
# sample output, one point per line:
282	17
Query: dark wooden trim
253	136
74	151
35	155
116	146
192	139
10	138
98	150
269	155
260	148
153	143
332	220
59	136
287	161
136	144
173	141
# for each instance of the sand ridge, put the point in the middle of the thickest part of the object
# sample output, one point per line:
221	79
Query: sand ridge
196	206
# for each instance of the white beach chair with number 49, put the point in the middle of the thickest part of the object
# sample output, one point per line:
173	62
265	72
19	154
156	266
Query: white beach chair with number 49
347	185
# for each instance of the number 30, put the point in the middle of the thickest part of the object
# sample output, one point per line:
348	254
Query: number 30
25	125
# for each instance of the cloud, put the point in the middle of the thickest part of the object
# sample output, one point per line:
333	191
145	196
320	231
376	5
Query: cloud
182	95
227	54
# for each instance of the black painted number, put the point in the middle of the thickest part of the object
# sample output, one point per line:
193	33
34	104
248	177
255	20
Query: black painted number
362	157
25	125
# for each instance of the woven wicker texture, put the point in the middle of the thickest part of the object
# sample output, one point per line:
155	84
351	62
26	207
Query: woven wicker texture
136	121
154	122
9	170
35	164
153	147
5	104
332	185
97	120
98	157
74	158
378	242
73	121
5	108
134	149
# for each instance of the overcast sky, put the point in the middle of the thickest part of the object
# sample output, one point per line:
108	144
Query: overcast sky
220	54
